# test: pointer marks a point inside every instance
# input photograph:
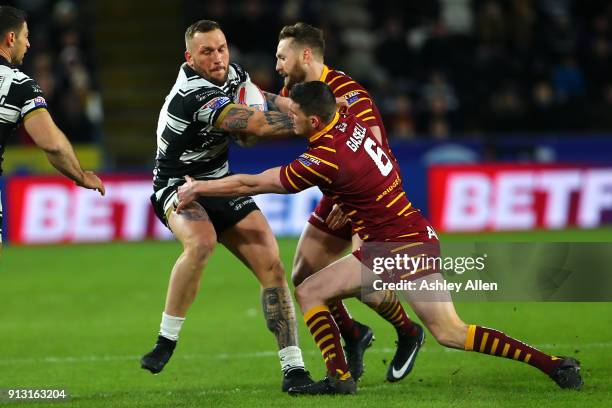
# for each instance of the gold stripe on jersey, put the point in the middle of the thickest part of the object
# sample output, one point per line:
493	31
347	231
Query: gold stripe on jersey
329	149
400	195
321	160
404	209
369	118
334	80
412	244
411	212
351	213
316	173
392	186
366	237
408	235
358	229
34	113
334	197
328	136
363	113
297	174
343	85
414	272
289	179
358	222
325	129
362	99
324	73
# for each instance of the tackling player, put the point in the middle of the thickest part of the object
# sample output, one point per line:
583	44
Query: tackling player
347	163
327	235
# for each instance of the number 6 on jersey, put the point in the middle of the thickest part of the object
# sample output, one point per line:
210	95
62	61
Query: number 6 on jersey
377	156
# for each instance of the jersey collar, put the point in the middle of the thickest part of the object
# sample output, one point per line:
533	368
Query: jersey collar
326	129
324	73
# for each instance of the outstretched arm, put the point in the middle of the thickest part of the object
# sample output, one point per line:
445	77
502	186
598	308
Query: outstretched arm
232	186
276	102
243	119
59	151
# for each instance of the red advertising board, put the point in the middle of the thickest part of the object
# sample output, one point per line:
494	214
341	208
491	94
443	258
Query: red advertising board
497	197
53	210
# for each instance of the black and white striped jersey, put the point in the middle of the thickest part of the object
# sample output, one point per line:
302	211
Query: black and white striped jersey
20	95
187	142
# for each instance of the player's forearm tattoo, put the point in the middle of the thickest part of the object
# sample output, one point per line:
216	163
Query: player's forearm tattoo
279	120
280	315
271	101
237	118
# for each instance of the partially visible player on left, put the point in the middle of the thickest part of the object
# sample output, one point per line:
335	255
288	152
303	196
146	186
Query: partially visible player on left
22	101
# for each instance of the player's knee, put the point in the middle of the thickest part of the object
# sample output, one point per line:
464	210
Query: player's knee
270	271
300	270
301	293
199	248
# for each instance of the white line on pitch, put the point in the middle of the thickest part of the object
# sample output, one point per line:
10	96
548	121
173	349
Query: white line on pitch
257	354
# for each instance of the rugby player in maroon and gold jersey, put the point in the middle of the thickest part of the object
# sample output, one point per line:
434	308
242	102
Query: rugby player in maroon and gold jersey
327	235
347	163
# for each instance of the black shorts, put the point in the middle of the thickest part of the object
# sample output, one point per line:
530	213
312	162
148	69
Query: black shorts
223	212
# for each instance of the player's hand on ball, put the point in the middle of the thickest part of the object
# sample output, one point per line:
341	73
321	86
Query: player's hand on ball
186	194
336	218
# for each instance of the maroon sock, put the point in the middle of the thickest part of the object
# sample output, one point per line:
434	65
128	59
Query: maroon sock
325	333
496	343
392	311
348	329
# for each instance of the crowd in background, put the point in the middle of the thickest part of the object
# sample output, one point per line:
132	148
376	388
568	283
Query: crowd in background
61	60
442	67
436	68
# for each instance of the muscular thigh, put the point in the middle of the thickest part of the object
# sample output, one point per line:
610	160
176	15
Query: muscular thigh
193	227
253	242
316	249
339	280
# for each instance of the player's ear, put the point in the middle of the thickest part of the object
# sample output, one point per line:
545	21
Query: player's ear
189	58
9	38
315	121
307	55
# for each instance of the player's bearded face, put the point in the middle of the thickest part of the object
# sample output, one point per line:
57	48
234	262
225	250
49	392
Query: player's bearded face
21	45
208	55
288	63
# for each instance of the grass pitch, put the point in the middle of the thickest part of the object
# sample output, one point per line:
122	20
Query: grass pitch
80	317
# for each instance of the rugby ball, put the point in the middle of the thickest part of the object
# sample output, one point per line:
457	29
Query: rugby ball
249	94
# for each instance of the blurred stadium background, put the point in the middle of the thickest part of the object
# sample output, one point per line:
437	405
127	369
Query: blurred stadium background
499	111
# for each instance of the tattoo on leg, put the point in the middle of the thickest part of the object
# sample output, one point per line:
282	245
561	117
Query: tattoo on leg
280	315
195	212
279	120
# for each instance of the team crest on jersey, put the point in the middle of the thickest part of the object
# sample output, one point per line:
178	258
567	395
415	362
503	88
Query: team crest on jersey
341	127
217	102
40	101
352	97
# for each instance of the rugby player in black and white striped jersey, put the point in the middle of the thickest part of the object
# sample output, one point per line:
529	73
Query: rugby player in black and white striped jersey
23	102
193	133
